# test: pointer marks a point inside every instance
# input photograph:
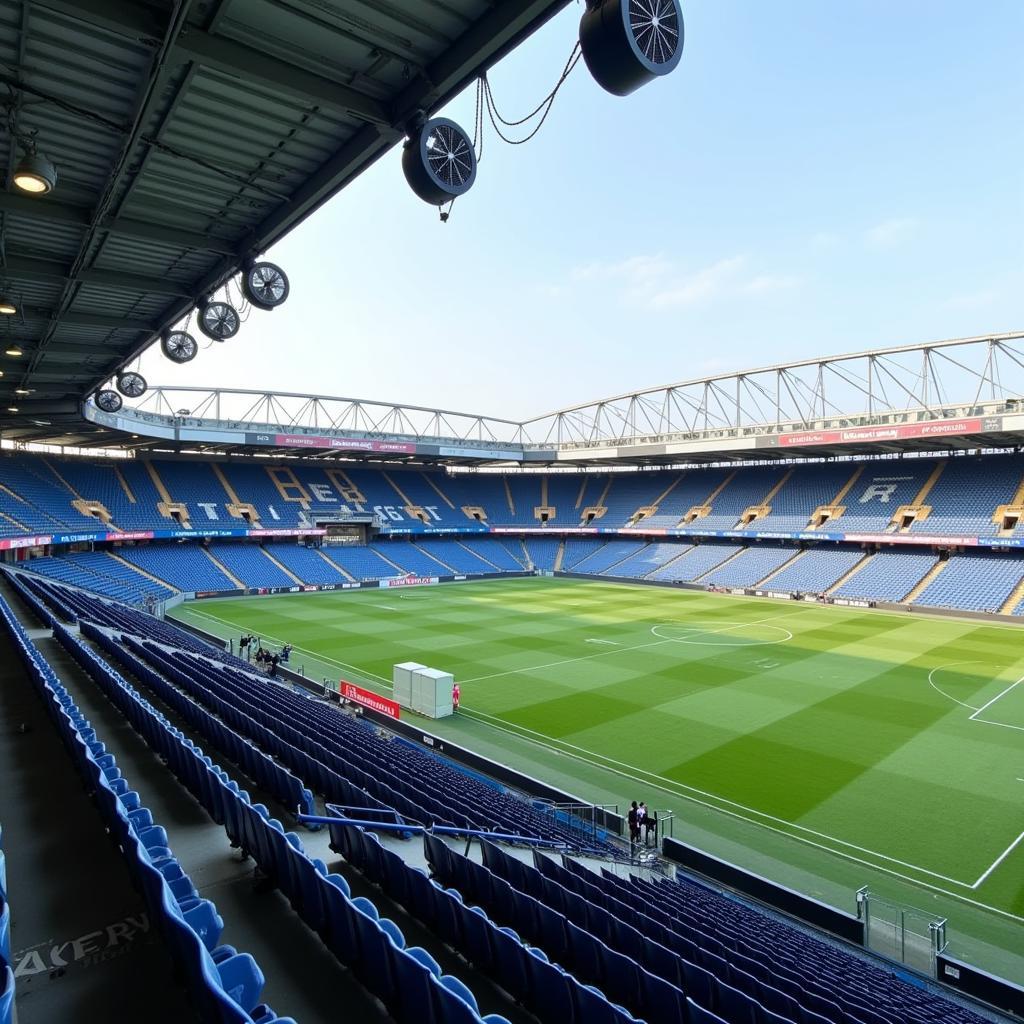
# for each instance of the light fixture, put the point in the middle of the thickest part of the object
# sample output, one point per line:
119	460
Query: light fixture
35	174
22	391
12	408
14	350
8	307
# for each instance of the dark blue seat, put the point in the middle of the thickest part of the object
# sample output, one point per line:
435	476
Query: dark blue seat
698	1015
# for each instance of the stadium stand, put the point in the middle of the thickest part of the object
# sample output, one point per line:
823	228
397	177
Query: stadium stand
967	494
577	549
182	566
815	570
542	551
250	564
747	488
704	951
307	563
412	558
888	576
700	559
806	488
977	582
221	983
362	563
879	491
646	561
610	553
496	553
750	566
974	496
457	556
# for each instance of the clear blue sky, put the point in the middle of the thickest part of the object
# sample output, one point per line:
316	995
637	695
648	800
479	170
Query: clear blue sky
814	178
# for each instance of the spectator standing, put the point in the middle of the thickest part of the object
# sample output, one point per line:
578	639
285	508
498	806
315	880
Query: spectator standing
634	826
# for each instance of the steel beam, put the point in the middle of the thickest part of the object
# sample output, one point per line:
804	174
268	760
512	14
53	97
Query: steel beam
81	216
238	59
53	270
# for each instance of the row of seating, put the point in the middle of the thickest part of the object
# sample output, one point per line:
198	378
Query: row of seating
223	985
270	776
419	786
961	493
792	975
407	981
6	971
545	989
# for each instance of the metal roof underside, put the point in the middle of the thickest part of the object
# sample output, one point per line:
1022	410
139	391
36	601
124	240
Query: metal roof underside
189	136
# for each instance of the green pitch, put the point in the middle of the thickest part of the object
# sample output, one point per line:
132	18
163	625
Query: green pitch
826	747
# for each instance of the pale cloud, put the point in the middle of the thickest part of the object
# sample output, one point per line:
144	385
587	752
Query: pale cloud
769	284
637	270
705	284
891	232
655	282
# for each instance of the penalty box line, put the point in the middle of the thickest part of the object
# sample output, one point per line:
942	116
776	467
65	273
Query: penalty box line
975	717
999	860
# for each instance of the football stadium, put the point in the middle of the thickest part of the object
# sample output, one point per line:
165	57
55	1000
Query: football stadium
699	703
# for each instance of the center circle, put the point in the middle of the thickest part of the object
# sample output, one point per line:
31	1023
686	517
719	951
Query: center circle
722	634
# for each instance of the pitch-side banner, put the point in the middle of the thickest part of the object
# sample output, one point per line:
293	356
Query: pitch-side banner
409	581
369	699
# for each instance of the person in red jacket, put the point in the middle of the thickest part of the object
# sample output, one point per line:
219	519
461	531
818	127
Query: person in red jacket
456	694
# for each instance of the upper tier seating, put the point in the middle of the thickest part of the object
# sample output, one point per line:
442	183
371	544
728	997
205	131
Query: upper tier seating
36	495
750	486
184	566
815	570
888	576
968	492
879	491
807	488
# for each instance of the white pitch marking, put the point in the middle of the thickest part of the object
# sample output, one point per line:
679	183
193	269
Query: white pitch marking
599	760
386	607
601	654
996	697
999	860
614	643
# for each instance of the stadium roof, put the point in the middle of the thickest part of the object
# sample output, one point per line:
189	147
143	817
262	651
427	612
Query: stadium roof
189	136
960	394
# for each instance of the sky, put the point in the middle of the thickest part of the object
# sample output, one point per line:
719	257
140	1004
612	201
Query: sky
814	178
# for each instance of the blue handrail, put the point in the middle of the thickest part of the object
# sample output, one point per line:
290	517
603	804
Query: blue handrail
433	829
